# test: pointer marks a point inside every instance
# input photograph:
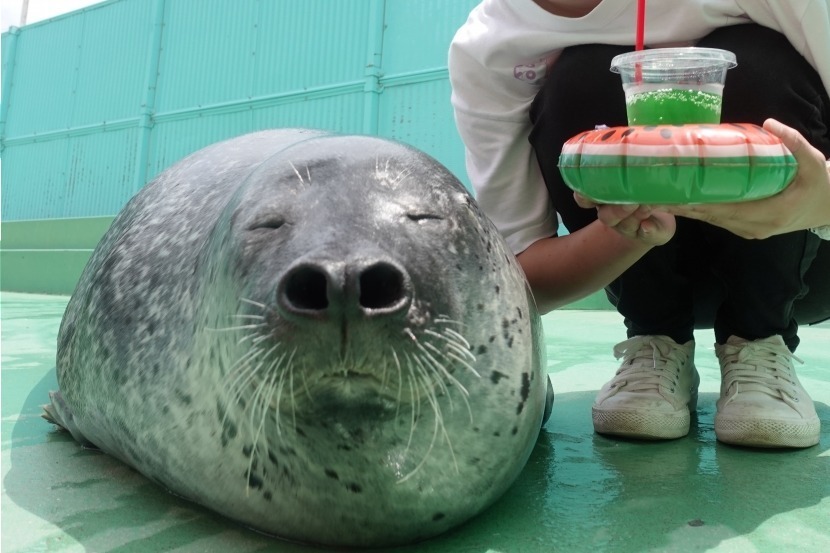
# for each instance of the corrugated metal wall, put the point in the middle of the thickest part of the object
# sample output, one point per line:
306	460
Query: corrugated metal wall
97	102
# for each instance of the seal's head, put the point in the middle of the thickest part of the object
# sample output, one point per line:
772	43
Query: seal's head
387	346
319	336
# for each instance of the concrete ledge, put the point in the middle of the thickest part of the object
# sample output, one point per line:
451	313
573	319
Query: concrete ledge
54	234
47	256
41	271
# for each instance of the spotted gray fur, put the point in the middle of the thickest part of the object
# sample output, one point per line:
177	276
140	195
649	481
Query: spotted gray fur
319	336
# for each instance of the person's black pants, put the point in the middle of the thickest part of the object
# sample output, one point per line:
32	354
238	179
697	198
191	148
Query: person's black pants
705	276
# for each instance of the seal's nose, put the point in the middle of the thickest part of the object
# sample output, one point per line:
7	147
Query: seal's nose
317	289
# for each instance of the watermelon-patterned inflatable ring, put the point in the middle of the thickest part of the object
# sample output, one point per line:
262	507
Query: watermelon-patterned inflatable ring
678	164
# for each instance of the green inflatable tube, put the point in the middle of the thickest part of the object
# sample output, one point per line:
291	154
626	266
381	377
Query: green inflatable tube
677	164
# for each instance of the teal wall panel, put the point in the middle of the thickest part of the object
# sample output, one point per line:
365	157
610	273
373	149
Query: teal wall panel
99	177
78	176
176	137
173	140
42	89
308	44
206	53
418	33
97	102
111	65
341	113
33	177
417	113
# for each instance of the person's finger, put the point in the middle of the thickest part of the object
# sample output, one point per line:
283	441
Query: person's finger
791	138
709	213
612	215
810	161
584	202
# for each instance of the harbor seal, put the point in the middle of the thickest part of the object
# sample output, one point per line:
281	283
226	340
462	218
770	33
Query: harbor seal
319	336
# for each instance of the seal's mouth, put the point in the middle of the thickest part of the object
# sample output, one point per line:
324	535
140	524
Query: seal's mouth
352	375
354	383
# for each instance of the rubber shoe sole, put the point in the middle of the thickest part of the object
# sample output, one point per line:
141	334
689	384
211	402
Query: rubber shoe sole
644	425
767	432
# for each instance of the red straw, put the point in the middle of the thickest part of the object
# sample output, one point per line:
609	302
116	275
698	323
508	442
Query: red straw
641	31
641	24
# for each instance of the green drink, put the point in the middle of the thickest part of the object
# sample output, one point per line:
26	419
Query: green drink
672	106
673	86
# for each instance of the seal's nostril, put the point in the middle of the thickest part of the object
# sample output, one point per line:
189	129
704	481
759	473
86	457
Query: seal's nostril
382	286
306	289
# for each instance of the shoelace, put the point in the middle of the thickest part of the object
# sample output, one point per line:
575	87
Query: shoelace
760	367
648	362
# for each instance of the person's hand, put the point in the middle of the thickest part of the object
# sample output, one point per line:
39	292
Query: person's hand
636	222
804	204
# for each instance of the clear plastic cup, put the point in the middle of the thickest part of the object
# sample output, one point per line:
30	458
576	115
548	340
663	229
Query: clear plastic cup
673	86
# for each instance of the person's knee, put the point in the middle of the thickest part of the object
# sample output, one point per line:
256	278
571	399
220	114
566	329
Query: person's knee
771	79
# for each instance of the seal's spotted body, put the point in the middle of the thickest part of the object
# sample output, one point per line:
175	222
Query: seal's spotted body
319	336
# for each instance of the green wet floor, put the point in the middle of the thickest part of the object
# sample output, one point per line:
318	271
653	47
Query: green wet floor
579	492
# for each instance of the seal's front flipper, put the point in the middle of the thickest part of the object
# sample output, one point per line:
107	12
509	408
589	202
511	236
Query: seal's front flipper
548	403
58	412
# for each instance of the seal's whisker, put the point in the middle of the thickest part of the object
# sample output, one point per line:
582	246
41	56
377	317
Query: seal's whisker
444	370
438	428
248	371
462	347
466	356
401	175
415	400
242	372
435	364
299	176
293	397
305	382
408	332
278	406
463	362
234	328
254	303
264	399
400	381
240	381
246	316
283	377
443	319
248	354
260	338
385	374
461	339
246	337
239	368
259	399
431	377
453	344
465	394
461	353
440	424
438	381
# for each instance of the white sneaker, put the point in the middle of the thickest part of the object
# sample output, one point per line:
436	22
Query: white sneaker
653	393
762	403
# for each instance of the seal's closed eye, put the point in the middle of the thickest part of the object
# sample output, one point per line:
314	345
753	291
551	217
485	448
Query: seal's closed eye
267	223
420	217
